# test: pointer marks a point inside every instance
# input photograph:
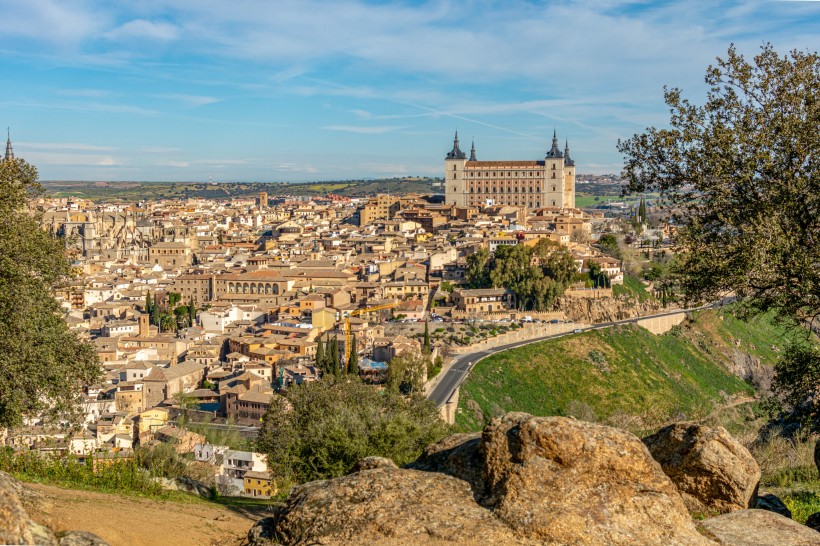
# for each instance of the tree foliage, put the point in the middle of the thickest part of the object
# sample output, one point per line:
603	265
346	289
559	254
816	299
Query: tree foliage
43	365
797	376
321	429
405	373
739	176
353	362
537	274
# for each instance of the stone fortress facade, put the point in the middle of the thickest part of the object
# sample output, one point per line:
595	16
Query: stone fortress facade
547	183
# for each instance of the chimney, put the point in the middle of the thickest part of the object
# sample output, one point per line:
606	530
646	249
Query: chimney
145	328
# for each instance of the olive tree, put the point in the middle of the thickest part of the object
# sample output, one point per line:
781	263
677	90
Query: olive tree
43	364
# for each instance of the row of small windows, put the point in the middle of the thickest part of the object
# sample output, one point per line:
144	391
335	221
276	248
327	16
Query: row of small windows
509	189
531	204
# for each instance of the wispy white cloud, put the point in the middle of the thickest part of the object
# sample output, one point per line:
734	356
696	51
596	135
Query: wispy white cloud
144	29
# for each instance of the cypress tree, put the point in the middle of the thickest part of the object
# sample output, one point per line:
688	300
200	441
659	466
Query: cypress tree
353	363
148	304
320	355
426	347
191	312
333	361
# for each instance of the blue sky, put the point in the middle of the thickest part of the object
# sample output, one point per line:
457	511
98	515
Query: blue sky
283	90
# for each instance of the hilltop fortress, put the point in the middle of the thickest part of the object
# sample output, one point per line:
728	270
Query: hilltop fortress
547	183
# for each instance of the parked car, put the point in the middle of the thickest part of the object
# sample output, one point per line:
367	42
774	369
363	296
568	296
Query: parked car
577	331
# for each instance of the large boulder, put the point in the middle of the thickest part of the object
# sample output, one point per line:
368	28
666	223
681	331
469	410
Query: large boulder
388	506
460	456
525	480
713	472
562	481
759	528
16	527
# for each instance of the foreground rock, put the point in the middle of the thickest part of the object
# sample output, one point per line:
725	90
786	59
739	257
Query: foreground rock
388	506
712	470
527	480
570	482
759	527
16	527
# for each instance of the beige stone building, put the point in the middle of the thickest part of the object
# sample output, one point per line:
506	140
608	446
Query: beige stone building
541	183
170	255
381	207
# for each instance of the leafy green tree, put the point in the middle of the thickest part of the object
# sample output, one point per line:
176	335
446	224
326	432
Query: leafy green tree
608	244
740	177
167	322
173	299
43	364
319	430
797	376
182	316
353	363
477	275
405	373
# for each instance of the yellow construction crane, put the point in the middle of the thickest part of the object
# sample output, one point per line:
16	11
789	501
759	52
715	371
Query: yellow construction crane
357	312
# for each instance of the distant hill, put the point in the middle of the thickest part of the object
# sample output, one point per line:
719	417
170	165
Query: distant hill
137	191
625	375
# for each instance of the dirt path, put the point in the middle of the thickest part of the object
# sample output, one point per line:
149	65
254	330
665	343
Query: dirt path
136	521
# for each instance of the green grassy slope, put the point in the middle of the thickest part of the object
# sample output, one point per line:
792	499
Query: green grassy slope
623	375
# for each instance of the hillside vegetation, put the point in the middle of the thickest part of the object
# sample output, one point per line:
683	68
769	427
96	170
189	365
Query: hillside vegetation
139	191
624	376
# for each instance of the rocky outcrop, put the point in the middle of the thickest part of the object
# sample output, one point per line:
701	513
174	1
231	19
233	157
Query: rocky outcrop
388	506
713	472
460	456
16	527
595	310
773	504
749	368
757	528
81	538
562	481
526	480
369	463
186	485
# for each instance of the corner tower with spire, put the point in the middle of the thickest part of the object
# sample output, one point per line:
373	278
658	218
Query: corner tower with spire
9	151
533	184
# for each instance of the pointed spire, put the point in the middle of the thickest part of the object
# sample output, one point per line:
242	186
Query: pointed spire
472	152
9	151
456	152
567	160
554	152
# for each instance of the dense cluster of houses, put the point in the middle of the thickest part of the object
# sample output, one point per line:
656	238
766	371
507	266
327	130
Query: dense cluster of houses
265	280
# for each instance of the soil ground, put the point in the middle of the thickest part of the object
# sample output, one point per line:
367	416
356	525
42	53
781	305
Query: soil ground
138	521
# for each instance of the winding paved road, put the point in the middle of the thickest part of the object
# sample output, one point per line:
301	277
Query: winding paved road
461	366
